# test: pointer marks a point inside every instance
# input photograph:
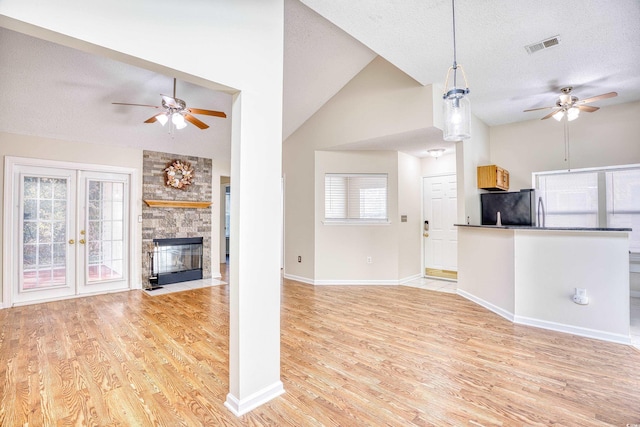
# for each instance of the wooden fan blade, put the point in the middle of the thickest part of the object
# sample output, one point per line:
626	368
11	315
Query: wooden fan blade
596	98
135	105
207	112
195	121
536	109
550	114
171	102
588	108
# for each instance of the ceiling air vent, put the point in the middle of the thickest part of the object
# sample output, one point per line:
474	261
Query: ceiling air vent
544	44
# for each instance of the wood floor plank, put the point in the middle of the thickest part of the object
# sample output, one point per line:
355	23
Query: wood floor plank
351	356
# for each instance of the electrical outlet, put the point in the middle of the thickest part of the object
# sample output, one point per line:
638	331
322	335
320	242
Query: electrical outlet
369	260
299	258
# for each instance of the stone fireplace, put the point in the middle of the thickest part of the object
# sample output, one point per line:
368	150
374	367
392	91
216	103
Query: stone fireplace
185	213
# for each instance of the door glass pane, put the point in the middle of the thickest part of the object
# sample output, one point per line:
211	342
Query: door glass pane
105	231
44	230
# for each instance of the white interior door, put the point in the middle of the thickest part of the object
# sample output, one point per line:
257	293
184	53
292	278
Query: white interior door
71	233
440	210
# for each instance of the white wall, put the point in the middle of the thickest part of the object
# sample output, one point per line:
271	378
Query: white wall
379	101
470	154
342	250
607	137
486	268
431	166
550	265
394	247
409	204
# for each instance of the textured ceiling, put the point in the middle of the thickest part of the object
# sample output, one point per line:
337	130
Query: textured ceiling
62	93
599	50
59	92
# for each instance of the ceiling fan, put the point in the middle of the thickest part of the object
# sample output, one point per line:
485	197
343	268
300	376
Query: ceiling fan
176	110
571	105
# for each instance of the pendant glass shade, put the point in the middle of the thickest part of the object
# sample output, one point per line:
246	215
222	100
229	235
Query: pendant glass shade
456	106
457	115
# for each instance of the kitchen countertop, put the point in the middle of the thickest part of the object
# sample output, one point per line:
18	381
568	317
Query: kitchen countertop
527	227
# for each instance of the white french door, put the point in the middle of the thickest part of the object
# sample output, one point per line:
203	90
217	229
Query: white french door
103	222
71	232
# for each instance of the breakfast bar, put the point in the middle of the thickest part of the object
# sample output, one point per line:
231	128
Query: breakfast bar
529	275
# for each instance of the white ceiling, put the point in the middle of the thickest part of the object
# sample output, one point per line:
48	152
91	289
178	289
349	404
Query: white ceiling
62	93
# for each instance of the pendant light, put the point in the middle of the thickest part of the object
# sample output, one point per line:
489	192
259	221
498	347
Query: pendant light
456	107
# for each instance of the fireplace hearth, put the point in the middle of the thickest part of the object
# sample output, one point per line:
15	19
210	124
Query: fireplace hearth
175	260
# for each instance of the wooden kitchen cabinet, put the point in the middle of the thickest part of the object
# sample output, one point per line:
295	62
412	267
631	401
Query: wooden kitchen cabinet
492	177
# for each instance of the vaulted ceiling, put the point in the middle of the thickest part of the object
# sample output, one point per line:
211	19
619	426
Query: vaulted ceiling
59	92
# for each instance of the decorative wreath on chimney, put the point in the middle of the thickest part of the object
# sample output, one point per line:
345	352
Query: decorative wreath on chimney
179	174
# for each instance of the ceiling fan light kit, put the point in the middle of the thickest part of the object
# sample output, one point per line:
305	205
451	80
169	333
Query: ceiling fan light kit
177	110
456	106
570	106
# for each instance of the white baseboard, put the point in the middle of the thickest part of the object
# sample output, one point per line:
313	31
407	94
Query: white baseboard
491	307
333	282
240	407
298	278
575	330
409	279
635	294
355	282
553	326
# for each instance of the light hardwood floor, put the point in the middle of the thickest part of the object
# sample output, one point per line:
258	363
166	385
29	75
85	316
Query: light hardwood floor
351	356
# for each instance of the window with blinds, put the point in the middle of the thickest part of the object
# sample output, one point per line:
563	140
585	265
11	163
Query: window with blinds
355	198
570	199
593	198
623	203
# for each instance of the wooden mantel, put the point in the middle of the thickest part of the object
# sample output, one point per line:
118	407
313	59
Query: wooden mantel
176	204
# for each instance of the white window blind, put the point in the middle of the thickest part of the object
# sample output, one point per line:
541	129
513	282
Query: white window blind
570	199
355	197
595	198
623	203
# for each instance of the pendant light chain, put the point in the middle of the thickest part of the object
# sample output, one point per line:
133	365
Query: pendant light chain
567	153
455	63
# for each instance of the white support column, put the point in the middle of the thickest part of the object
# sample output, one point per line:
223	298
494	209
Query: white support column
254	342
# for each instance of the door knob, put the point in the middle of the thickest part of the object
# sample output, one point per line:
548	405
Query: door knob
71	241
82	241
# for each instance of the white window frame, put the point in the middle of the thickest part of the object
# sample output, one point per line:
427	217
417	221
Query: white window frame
602	191
348	220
